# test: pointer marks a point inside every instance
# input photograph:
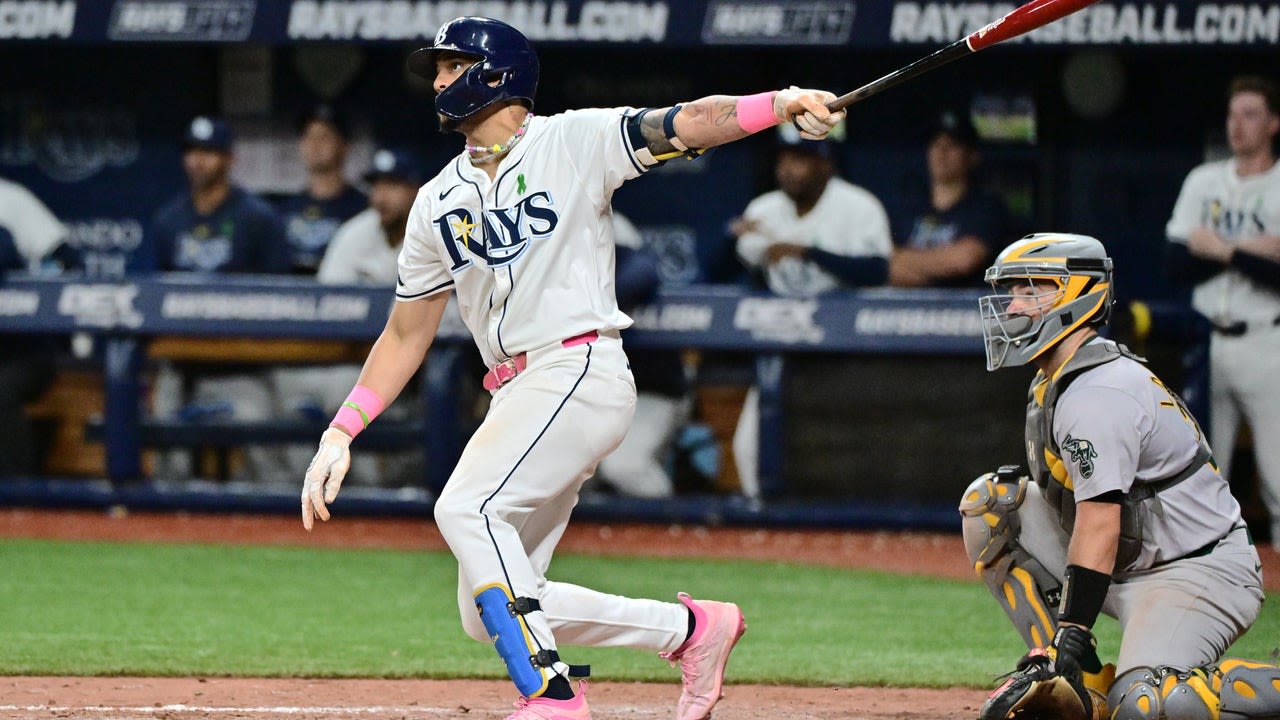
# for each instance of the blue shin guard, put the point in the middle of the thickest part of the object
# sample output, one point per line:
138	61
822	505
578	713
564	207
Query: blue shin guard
503	618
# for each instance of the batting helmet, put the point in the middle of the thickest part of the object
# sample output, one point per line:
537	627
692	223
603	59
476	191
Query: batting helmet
1079	270
506	67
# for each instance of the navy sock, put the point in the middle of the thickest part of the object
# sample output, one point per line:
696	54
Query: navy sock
691	625
558	689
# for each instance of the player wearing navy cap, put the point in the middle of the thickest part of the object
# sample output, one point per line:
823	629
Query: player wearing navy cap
519	228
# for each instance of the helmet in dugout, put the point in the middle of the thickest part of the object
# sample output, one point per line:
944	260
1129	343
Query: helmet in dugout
506	67
1069	278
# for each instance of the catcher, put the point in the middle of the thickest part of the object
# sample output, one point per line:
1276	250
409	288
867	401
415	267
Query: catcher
1124	513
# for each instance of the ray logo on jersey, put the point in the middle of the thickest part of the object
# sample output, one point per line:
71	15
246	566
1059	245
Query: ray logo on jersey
502	235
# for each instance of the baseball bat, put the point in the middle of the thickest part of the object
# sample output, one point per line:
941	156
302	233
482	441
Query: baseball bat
1024	19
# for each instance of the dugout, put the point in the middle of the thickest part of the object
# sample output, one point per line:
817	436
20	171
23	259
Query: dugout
90	117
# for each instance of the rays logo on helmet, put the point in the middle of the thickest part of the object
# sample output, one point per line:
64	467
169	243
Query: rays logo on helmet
501	235
1082	454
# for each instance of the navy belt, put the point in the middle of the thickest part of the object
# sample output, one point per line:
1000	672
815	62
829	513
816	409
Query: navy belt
1240	327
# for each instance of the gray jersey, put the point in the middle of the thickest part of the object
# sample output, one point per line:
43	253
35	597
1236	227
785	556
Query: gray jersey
1118	425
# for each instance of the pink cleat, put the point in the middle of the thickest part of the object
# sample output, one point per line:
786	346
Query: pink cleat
538	708
703	657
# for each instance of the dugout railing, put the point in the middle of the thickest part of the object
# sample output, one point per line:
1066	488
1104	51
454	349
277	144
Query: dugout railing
125	316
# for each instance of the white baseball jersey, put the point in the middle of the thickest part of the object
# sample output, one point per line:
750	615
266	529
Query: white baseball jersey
1237	209
530	254
35	230
846	220
359	253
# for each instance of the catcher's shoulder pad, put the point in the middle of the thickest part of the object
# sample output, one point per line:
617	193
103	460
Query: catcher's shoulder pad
1034	691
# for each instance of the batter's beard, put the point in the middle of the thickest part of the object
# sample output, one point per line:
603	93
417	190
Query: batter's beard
447	124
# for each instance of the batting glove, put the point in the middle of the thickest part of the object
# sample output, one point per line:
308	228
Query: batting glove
808	110
324	475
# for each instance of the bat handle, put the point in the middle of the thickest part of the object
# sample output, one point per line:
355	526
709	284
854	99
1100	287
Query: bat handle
955	50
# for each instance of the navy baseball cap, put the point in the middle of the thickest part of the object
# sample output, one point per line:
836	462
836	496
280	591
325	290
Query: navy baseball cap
327	114
396	164
789	139
956	124
209	133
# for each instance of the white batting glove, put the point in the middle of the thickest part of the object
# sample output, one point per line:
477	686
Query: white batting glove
324	475
808	110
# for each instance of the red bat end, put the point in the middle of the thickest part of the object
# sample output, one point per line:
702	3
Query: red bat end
1034	14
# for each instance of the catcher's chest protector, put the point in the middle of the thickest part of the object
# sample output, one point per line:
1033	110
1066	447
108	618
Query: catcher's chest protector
1044	457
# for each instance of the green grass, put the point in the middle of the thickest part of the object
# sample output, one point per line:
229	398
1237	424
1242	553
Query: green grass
101	608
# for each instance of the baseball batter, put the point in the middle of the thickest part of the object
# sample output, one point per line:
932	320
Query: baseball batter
1225	239
1127	515
518	227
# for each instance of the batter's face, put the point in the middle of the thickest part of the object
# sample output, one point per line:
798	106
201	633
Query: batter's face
321	147
392	199
1250	125
206	168
449	67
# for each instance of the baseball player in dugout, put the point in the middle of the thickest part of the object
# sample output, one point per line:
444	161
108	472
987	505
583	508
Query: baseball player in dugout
518	226
1123	512
1224	241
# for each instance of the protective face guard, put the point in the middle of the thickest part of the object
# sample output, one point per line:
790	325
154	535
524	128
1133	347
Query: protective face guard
471	92
1010	338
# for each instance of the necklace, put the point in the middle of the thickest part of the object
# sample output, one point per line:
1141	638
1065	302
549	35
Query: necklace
489	152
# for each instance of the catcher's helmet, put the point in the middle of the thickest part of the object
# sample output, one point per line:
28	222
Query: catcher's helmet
1080	271
504	57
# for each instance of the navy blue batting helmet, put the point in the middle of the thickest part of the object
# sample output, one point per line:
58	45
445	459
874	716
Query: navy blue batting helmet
505	58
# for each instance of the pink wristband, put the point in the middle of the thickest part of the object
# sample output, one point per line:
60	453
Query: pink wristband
359	409
755	112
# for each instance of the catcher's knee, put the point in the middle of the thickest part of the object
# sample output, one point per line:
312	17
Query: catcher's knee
1162	693
1247	690
1135	695
989	515
990	525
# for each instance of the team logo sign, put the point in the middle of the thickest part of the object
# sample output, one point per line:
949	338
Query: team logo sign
1082	454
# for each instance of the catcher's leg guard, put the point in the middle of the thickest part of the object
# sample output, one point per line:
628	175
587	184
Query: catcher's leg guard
1165	693
529	666
1135	695
1248	691
1028	593
1188	694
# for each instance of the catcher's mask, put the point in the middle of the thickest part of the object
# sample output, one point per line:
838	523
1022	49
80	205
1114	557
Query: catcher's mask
1060	282
506	67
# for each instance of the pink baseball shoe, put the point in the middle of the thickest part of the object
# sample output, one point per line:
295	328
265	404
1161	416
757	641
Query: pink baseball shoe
703	657
539	708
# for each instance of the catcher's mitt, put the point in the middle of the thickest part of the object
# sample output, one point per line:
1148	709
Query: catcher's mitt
1035	691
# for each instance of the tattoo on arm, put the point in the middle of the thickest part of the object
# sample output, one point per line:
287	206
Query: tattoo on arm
654	137
708	122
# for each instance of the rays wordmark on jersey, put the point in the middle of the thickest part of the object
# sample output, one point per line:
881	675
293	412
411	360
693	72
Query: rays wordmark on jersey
500	235
1234	222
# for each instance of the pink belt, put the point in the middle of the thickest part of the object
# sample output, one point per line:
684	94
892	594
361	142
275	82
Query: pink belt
505	371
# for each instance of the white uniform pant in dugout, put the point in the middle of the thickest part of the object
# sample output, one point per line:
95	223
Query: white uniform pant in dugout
509	499
1243	372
